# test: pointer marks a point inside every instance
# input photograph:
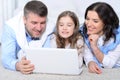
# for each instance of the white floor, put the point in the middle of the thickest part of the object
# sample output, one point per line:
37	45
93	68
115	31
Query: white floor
107	74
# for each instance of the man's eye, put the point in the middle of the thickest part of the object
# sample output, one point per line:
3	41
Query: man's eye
34	22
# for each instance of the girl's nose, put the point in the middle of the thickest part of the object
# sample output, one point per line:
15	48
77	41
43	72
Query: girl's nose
64	27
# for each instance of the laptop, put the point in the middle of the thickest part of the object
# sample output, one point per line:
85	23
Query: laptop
54	60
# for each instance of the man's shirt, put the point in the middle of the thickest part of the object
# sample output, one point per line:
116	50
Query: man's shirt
10	48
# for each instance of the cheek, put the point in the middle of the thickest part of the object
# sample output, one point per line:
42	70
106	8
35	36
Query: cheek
86	22
72	31
43	25
59	29
100	28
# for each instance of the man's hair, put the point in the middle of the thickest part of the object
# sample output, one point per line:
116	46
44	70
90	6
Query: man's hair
36	7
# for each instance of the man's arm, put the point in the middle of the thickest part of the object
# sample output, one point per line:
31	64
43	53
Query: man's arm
9	48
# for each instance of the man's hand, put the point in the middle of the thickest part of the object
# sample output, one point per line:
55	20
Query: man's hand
24	66
93	68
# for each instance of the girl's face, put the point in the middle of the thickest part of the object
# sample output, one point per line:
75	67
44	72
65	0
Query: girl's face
93	23
66	27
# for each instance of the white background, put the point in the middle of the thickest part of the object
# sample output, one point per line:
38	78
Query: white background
9	8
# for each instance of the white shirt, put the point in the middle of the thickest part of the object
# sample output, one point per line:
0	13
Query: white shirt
109	60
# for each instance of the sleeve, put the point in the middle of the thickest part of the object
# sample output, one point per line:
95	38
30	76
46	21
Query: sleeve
88	56
8	48
111	58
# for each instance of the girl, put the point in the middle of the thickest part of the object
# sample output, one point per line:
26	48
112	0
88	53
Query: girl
67	34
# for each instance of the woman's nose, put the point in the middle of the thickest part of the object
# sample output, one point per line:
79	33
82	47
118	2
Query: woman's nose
88	23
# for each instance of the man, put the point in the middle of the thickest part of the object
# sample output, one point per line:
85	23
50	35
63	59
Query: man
19	32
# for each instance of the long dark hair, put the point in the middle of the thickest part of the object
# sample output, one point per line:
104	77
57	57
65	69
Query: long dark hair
108	16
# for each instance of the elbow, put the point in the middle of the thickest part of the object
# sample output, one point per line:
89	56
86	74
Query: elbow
109	64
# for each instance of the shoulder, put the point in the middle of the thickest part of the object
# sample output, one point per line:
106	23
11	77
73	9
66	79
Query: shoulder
8	30
53	36
53	41
117	32
80	45
16	21
80	41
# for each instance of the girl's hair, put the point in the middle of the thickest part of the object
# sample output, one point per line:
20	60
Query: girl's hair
108	17
72	39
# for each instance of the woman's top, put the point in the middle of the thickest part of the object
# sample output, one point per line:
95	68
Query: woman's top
110	49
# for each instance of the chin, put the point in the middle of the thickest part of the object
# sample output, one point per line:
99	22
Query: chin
90	33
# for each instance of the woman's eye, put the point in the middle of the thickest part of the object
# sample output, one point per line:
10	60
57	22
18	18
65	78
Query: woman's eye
96	21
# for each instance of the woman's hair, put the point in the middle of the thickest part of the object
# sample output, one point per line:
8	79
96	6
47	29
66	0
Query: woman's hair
72	39
108	17
36	7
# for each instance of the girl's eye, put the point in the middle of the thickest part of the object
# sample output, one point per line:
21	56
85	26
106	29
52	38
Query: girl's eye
69	25
60	24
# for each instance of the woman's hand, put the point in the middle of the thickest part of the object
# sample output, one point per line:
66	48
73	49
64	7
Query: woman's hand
93	68
93	38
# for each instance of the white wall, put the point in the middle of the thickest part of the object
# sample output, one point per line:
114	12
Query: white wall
8	8
5	11
55	7
85	3
78	6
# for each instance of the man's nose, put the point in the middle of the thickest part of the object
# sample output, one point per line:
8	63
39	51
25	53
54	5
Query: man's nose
39	27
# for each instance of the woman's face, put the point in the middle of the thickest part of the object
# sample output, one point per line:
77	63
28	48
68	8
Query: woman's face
66	27
93	23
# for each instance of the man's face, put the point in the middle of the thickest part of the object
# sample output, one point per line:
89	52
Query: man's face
35	24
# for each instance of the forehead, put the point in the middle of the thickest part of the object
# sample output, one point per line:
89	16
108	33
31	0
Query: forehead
33	16
93	15
66	19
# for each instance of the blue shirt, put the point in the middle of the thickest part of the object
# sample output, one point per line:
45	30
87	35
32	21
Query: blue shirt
10	48
105	48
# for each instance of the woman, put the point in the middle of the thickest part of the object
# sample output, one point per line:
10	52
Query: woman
101	32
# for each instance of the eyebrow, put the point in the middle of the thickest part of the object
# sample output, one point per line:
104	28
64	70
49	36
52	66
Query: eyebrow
97	19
